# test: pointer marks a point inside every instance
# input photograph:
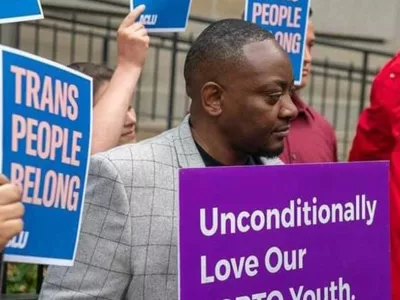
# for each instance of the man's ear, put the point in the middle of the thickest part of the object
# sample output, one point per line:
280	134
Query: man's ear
212	97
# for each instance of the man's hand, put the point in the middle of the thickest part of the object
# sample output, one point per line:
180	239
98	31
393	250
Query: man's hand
133	41
11	211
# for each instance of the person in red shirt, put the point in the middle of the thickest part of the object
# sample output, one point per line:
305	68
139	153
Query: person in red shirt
379	124
311	137
378	138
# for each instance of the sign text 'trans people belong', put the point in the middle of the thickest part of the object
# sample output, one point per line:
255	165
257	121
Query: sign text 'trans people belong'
45	132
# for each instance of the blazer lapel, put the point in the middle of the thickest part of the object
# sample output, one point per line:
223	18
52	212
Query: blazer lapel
186	150
189	156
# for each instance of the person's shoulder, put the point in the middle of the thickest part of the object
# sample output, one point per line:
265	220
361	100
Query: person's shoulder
385	87
143	150
322	122
389	71
393	64
140	157
318	117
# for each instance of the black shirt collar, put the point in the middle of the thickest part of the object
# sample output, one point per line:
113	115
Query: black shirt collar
210	161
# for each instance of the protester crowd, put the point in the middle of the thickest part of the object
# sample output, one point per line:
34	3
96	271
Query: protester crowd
224	70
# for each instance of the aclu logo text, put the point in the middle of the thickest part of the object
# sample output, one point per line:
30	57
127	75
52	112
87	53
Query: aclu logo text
148	19
19	241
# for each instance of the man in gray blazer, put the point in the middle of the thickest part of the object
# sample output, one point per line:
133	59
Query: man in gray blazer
239	80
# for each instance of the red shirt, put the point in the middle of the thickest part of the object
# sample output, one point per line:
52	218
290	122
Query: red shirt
376	138
311	138
378	124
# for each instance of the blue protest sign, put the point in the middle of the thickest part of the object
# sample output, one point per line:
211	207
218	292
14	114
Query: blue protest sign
288	21
45	138
20	10
163	15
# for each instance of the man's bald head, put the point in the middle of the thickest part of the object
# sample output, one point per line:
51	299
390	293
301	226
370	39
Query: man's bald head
218	50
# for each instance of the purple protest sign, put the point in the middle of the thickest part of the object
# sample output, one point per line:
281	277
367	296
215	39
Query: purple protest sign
300	232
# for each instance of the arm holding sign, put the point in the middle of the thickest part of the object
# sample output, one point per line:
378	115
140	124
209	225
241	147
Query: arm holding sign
11	211
109	112
102	269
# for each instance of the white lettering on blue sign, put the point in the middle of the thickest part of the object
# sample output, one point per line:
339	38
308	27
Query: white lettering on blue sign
287	20
19	241
149	19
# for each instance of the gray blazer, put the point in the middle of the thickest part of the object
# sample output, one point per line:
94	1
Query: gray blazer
128	240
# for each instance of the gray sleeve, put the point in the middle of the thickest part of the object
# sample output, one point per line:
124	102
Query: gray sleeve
102	269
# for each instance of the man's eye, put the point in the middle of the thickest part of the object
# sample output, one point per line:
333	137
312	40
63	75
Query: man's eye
275	97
